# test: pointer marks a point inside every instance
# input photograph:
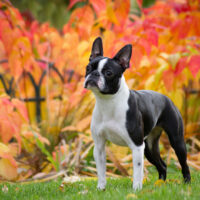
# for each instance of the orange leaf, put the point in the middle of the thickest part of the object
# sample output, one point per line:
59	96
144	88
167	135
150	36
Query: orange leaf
28	134
21	108
168	78
7	170
122	9
80	126
146	45
137	56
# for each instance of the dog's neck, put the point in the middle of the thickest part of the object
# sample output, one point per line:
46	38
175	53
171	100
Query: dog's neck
119	96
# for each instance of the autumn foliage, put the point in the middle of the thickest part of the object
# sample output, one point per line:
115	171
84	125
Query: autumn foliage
39	62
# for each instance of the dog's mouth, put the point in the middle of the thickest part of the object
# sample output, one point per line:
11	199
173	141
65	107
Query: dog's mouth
90	84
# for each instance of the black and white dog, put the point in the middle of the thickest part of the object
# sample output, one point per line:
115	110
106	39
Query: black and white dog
130	118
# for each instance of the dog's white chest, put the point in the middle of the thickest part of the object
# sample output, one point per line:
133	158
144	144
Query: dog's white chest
113	131
109	120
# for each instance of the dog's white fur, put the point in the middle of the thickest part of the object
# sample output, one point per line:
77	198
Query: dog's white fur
109	123
101	82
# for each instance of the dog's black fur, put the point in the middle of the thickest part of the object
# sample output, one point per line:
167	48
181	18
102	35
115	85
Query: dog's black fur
143	120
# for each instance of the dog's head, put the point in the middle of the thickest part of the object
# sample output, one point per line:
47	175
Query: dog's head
104	74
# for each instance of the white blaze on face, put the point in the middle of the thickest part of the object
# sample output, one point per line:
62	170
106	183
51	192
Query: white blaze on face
101	82
86	78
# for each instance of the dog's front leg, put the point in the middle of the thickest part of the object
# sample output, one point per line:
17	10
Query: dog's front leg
138	166
100	159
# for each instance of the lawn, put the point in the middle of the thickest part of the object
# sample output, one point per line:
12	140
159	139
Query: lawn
120	188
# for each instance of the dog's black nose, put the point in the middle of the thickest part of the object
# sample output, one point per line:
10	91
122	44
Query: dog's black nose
95	73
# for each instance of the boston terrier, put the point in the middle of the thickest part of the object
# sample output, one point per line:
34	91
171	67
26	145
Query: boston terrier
130	118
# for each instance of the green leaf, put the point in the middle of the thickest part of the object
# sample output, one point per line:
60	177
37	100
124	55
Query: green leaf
49	156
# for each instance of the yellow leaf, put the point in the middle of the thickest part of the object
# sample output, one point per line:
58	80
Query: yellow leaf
173	181
111	14
149	85
7	170
145	62
14	148
84	123
131	196
3	95
89	178
173	59
47	167
159	73
119	151
69	128
145	179
82	47
4	148
159	182
61	187
177	98
191	128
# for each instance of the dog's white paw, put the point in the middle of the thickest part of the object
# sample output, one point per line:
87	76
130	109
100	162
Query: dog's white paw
101	186
137	186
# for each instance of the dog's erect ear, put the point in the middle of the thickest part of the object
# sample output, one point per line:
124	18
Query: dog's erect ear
123	56
97	49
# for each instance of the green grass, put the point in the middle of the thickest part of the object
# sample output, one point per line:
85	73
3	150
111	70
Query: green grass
116	189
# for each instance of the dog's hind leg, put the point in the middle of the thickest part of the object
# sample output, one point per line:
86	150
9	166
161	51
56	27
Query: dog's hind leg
178	144
152	152
173	125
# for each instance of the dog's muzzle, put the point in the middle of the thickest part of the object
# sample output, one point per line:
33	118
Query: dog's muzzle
90	83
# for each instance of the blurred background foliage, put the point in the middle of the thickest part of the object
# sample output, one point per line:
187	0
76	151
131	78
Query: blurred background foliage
55	11
45	112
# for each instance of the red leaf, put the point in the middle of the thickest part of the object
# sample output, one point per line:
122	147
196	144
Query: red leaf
180	65
180	7
139	2
181	28
152	37
98	5
194	64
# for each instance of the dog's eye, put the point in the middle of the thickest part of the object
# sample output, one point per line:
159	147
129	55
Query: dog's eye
109	73
88	69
